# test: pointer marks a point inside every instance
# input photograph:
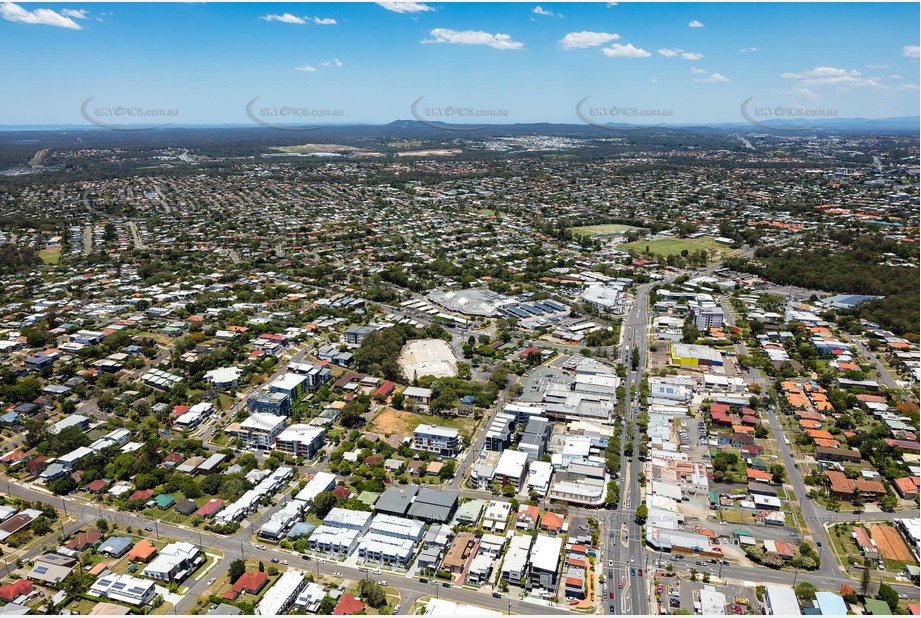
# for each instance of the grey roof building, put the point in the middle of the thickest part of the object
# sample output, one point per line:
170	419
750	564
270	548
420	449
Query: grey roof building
433	506
396	501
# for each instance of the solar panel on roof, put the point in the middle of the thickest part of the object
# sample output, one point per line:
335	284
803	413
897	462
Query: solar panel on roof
41	570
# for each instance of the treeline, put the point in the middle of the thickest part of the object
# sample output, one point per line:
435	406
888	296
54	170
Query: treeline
380	350
849	272
14	258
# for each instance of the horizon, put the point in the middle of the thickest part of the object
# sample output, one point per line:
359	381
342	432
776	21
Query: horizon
212	65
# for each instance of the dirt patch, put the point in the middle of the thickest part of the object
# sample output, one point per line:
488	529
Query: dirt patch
890	543
428	357
391	421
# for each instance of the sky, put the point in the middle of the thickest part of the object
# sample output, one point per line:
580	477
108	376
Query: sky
643	63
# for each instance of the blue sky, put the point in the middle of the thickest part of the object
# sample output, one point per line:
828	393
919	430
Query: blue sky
528	62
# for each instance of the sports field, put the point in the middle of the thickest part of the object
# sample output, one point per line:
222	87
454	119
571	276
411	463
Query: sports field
670	246
607	229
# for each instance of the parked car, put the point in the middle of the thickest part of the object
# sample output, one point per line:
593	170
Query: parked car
382	582
423	580
701	563
148	529
396	609
496	595
285	562
211	581
377	571
275	560
445	585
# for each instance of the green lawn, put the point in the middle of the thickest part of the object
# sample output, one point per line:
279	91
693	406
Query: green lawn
607	229
51	255
668	246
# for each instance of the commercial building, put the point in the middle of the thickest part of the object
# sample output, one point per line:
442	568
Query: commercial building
545	562
259	430
293	385
278	404
781	601
443	441
300	440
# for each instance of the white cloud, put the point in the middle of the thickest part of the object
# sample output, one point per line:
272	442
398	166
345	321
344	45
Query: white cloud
745	50
911	51
537	10
306	69
713	79
473	37
907	87
335	62
671	52
324	21
610	4
695	24
697	71
832	76
286	18
577	40
625	51
406	7
877	66
45	17
804	92
75	13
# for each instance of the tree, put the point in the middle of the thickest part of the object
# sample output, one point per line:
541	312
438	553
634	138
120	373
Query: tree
642	512
327	605
847	593
777	473
63	485
805	591
41	525
448	469
889	595
237	569
889	502
371	593
261	567
324	502
101	524
865	582
635	358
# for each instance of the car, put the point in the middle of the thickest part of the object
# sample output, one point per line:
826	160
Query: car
711	560
322	560
274	560
660	588
724	562
610	563
396	609
611	595
445	585
612	607
285	562
794	534
496	595
262	547
610	574
377	571
737	609
382	582
632	572
620	585
211	581
423	580
306	557
640	572
148	529
818	544
856	511
632	560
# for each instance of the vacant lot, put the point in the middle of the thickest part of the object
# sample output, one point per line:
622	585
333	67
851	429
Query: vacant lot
402	423
51	255
428	357
890	543
607	229
669	246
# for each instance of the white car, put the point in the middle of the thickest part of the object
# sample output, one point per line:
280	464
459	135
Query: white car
383	582
396	609
284	562
377	571
337	575
610	563
211	581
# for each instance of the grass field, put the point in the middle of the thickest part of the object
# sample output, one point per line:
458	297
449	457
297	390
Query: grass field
607	229
669	246
400	422
51	255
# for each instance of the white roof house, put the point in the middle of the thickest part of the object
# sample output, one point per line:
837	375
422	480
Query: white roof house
322	481
545	555
781	601
279	597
